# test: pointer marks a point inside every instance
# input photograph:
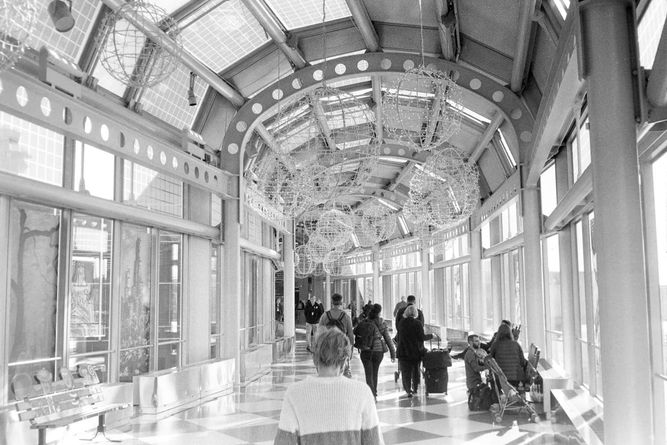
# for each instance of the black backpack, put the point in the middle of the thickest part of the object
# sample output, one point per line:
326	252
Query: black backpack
364	335
336	322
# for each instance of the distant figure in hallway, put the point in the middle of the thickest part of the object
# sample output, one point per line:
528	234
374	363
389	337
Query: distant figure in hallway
329	409
411	348
337	318
381	342
400	305
398	316
509	355
313	312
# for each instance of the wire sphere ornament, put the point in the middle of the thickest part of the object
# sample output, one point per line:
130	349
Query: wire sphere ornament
446	190
130	56
334	228
17	18
317	249
303	264
374	223
423	109
328	134
285	188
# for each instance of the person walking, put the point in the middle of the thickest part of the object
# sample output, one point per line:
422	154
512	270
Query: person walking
411	348
381	342
398	316
328	409
313	312
337	318
400	305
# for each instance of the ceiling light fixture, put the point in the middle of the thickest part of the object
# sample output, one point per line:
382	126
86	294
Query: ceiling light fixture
61	15
192	99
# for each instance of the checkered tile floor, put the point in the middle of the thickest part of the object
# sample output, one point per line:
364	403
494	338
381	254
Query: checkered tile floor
251	415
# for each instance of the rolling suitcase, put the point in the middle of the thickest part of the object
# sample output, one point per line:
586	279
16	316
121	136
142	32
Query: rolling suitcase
436	376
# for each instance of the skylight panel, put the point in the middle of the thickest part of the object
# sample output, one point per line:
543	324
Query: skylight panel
224	35
562	6
650	30
299	13
506	149
170	5
69	43
168	100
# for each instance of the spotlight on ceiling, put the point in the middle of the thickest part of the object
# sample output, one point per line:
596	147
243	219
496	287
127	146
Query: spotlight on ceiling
61	15
192	99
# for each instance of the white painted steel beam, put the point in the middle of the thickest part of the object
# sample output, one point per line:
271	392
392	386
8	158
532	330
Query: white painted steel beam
190	61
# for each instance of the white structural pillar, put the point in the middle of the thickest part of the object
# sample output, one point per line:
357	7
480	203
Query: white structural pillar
532	223
427	307
618	239
567	301
327	292
477	306
288	284
231	288
377	282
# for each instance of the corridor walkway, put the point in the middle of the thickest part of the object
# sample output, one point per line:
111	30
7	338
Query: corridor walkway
251	415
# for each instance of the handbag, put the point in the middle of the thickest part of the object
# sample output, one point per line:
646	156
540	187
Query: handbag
385	348
480	398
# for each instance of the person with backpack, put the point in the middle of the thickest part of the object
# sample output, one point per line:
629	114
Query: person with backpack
373	340
411	348
313	311
398	316
337	318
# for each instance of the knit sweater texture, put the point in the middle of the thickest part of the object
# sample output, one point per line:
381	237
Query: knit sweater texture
328	411
509	356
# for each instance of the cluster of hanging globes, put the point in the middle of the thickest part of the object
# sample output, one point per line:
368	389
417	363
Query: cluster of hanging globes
324	147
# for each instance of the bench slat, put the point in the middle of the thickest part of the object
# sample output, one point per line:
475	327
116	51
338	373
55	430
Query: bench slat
64	418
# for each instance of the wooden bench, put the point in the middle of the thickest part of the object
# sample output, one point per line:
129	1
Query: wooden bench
54	404
584	411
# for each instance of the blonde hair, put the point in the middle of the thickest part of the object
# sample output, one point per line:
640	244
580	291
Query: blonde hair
410	311
332	349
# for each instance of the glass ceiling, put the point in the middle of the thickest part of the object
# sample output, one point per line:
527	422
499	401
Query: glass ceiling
299	13
224	35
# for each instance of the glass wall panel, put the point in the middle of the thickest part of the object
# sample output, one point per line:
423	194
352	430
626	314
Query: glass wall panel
582	330
136	302
93	171
90	285
169	287
30	151
553	293
34	234
149	189
214	297
487	292
548	190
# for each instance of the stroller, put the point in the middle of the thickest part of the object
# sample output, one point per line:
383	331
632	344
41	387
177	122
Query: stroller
508	395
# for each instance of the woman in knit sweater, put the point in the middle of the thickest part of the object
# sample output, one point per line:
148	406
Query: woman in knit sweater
372	358
509	355
329	409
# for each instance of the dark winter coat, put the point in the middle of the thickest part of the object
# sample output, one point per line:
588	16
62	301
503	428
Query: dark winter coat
510	358
411	339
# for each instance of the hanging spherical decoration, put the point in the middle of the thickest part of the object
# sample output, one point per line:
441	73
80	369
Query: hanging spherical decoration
445	190
303	264
329	135
130	56
317	249
422	109
374	223
334	227
16	21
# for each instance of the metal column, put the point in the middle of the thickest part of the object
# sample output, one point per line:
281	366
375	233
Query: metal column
288	284
476	297
532	224
232	278
608	55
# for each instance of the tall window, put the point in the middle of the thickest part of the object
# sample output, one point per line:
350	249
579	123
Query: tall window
548	190
659	295
33	294
169	300
214	301
90	292
552	293
136	301
93	171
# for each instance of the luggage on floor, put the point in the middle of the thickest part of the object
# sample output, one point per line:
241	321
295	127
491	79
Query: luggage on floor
436	380
437	358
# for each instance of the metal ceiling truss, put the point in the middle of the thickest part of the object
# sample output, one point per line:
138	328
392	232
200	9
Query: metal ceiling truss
254	111
364	24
